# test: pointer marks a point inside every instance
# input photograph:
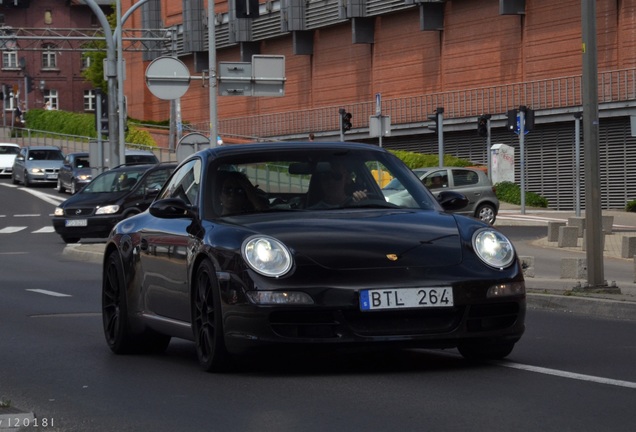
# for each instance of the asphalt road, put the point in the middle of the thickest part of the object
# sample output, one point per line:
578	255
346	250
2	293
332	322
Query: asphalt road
569	372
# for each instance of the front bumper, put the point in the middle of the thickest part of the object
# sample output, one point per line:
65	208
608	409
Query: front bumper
96	226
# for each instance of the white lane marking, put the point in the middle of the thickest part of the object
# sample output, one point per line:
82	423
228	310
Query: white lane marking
26	215
564	374
51	293
12	229
45	197
47	229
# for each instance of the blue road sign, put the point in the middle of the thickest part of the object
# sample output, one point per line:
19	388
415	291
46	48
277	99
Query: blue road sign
518	127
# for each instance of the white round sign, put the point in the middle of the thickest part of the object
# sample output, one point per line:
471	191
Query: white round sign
167	78
190	144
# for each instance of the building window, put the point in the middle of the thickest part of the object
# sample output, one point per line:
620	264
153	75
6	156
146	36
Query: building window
48	17
49	57
86	60
51	97
10	60
89	100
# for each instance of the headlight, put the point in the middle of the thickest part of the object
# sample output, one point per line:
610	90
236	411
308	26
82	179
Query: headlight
37	171
59	211
267	256
493	248
84	177
111	209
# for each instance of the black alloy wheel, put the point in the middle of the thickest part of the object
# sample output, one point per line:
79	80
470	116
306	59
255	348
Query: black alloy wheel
119	336
207	323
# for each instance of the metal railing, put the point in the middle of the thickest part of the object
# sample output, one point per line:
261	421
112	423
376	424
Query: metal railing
563	92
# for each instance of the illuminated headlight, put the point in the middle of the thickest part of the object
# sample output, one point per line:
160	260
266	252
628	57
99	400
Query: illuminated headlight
506	290
37	171
267	256
111	209
493	248
84	177
279	298
59	211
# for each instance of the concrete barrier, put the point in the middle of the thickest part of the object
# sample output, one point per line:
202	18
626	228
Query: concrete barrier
568	236
527	264
573	268
553	230
628	246
608	224
578	222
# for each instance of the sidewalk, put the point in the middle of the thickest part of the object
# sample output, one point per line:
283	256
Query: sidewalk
545	287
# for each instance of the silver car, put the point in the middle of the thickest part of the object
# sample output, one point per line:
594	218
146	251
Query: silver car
473	183
37	164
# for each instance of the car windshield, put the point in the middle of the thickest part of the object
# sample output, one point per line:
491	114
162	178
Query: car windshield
9	150
46	155
114	181
312	180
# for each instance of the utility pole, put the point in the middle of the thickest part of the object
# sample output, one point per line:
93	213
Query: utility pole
593	214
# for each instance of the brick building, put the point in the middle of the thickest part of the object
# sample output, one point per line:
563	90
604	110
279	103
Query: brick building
42	53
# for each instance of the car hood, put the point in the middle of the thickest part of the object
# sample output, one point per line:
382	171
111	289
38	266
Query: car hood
44	163
93	199
369	239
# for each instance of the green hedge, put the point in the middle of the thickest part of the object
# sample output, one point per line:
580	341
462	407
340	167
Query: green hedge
69	123
631	206
511	193
419	160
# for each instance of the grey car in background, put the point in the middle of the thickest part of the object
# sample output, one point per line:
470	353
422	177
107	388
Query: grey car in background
473	183
74	173
37	164
8	152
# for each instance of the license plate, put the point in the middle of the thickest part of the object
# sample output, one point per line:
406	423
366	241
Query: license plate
405	298
51	176
76	222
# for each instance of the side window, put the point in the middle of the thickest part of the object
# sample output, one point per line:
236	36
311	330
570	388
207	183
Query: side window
436	180
464	177
185	183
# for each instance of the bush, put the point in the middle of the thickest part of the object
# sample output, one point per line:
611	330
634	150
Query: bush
78	124
511	193
420	160
631	206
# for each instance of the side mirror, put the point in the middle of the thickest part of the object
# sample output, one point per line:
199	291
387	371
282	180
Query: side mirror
172	208
451	201
19	158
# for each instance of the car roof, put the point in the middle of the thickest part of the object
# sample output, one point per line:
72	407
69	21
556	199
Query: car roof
144	166
42	147
78	153
9	144
138	152
427	169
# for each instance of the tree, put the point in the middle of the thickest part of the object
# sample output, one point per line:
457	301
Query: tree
94	73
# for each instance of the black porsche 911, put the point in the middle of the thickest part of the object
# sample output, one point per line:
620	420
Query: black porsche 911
294	244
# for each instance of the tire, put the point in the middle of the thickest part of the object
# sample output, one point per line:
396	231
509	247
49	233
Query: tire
13	179
73	187
207	322
486	213
26	180
70	240
115	315
60	188
485	350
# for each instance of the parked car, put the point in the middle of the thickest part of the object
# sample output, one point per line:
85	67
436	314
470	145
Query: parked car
263	245
473	183
140	156
110	197
8	152
37	164
75	172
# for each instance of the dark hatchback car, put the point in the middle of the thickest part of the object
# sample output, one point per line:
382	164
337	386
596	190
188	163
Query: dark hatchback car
112	196
293	244
75	173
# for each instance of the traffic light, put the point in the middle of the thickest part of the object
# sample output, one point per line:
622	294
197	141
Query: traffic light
482	126
29	84
101	123
345	120
529	124
246	8
435	118
511	123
